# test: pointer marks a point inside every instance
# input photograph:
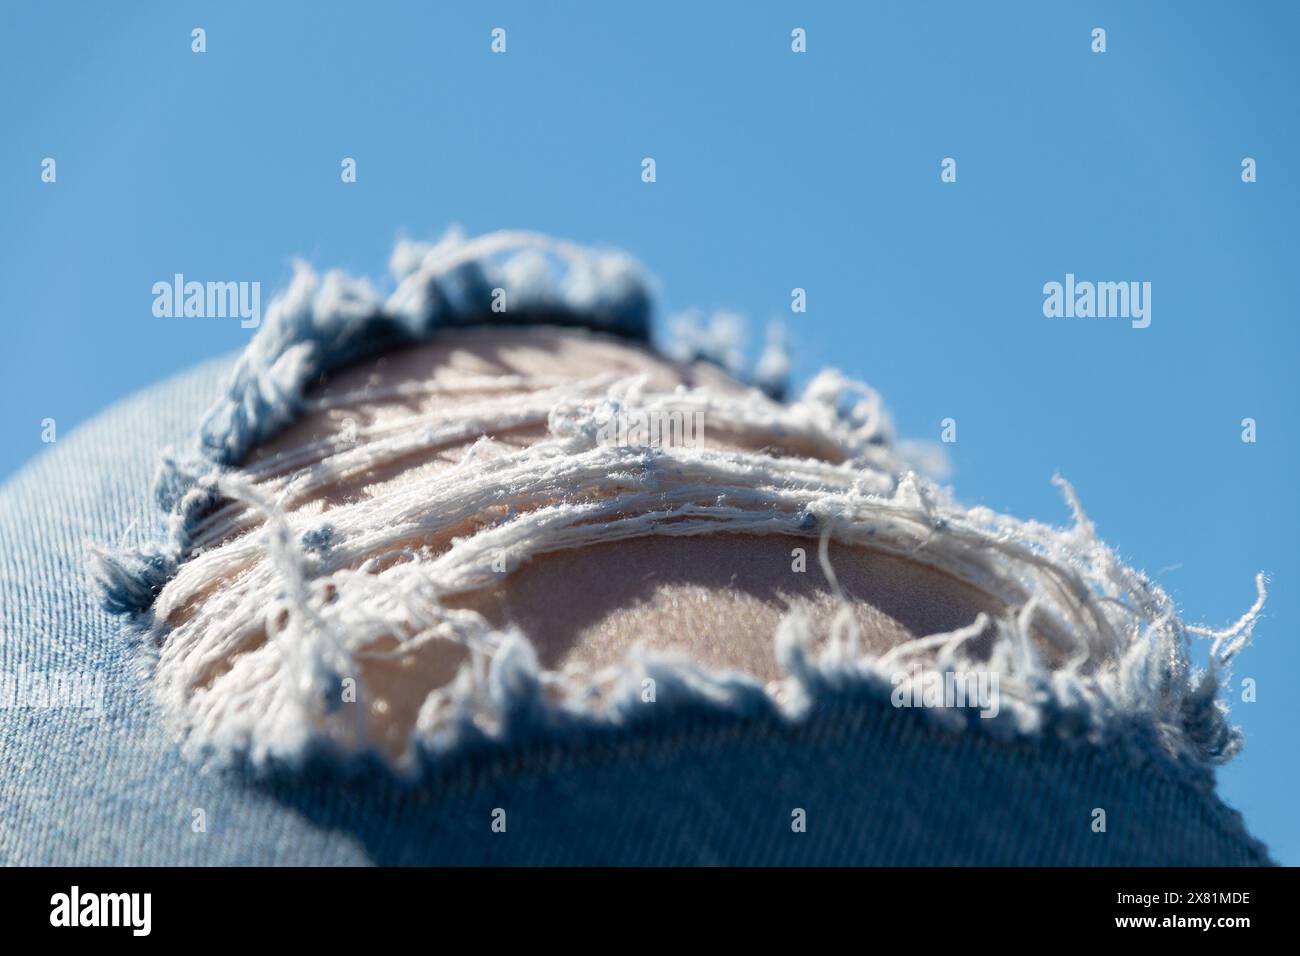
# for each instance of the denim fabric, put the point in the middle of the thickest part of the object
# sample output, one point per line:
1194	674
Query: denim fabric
878	785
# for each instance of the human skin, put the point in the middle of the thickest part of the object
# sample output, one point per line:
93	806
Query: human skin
715	599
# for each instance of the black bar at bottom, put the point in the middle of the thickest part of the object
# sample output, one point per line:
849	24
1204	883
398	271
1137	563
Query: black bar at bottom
335	905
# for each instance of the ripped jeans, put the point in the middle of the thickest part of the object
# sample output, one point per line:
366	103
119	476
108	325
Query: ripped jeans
250	621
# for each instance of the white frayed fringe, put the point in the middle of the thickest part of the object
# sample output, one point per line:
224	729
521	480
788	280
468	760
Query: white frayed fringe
330	591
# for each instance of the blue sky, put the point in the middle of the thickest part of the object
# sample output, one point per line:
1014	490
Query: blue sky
775	170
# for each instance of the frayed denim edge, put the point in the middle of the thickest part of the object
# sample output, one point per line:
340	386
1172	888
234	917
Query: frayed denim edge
321	324
318	326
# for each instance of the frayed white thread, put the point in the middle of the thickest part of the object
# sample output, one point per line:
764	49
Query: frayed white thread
319	324
266	623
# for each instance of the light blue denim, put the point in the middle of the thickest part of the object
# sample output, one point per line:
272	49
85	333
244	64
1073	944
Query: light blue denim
877	785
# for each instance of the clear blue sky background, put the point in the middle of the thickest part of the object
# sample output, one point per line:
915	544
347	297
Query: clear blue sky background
774	171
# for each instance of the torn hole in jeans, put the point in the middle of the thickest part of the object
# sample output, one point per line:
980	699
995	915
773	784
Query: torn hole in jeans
443	540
